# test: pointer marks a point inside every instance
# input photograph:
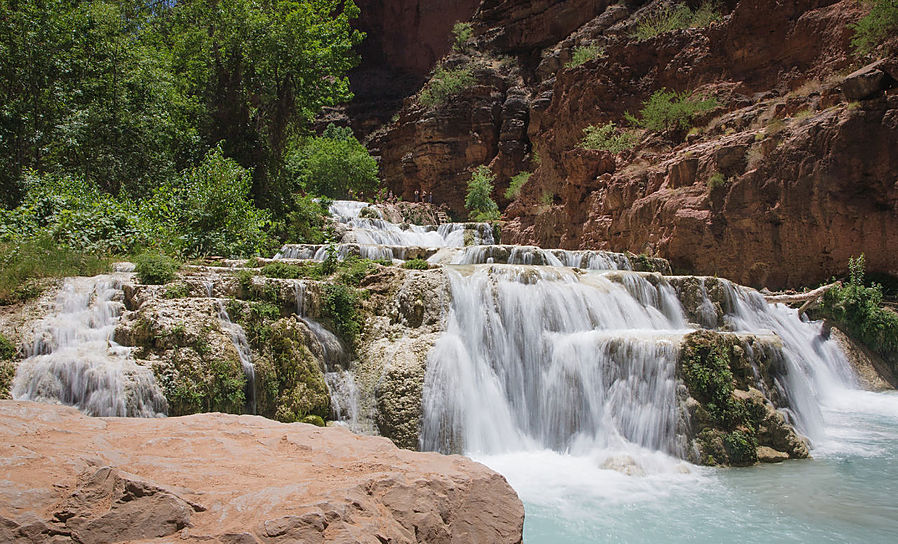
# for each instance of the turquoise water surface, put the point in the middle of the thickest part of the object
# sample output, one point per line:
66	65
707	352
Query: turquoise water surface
848	492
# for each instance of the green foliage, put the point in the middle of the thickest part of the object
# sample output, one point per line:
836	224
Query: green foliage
642	262
716	181
608	138
23	263
334	164
125	93
858	309
216	387
75	214
340	304
312	419
583	54
445	84
517	183
177	290
306	221
353	270
207	211
669	110
479	203
674	17
462	34
7	349
416	264
872	29
741	447
155	268
283	270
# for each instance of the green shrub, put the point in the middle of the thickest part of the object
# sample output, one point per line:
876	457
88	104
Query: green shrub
340	305
479	203
608	138
669	110
282	270
24	262
547	198
462	34
584	53
717	181
674	17
876	26
312	419
858	309
155	268
178	290
741	447
7	349
353	270
517	183
416	264
75	214
207	211
335	165
445	84
307	220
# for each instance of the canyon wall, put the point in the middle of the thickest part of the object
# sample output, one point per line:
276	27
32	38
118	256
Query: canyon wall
803	161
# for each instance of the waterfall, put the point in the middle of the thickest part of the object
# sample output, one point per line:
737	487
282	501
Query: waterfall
244	352
549	358
74	360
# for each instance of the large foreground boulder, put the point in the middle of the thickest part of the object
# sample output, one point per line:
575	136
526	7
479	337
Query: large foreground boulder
228	479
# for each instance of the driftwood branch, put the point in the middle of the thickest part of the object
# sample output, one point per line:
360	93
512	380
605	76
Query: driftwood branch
807	299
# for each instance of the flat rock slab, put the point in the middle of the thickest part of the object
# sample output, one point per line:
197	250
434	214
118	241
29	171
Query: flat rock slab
66	477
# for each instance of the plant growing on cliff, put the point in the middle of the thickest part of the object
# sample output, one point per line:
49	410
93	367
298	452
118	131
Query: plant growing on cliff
340	304
416	264
445	84
517	183
674	17
670	110
583	54
876	26
478	199
462	34
859	310
608	137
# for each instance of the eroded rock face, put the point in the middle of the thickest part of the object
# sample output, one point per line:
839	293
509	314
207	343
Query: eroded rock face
808	175
229	479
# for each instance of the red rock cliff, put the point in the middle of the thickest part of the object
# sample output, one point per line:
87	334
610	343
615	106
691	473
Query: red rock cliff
804	166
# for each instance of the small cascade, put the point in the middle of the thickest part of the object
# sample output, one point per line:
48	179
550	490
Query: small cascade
375	238
238	338
75	361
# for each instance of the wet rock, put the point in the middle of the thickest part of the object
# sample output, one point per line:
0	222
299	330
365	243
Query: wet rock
199	479
770	455
623	464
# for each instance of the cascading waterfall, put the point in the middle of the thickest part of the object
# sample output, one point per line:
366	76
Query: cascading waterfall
74	359
244	352
543	357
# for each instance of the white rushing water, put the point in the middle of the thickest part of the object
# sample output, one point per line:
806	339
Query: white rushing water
74	359
244	352
565	383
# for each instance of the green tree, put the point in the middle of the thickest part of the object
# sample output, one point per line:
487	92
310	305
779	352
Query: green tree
207	210
478	199
332	165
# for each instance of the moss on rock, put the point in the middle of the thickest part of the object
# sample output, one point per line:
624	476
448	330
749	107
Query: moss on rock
290	376
729	418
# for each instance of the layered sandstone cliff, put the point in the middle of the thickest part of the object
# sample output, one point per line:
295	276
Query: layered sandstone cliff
807	162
